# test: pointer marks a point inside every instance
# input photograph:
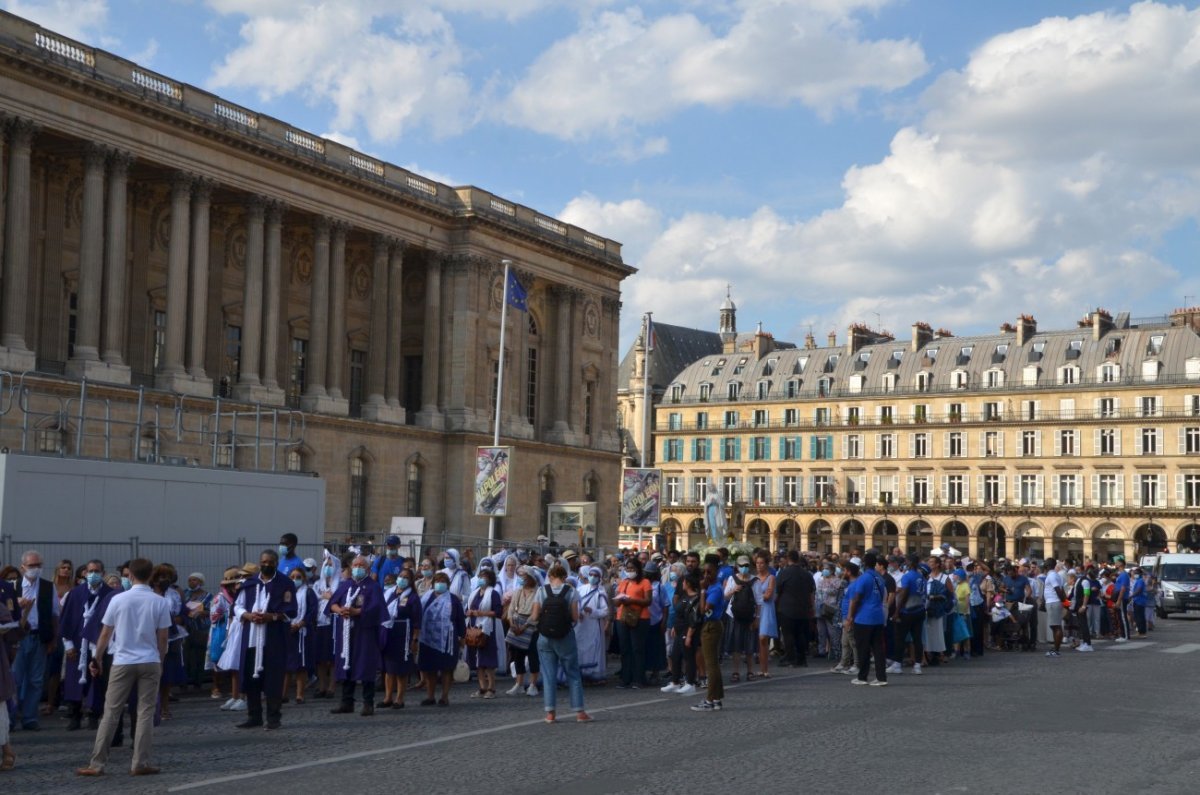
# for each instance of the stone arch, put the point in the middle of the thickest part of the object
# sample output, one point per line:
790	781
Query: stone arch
820	536
1067	541
853	535
299	458
1030	538
992	539
788	533
670	529
1187	537
758	527
1149	538
1108	540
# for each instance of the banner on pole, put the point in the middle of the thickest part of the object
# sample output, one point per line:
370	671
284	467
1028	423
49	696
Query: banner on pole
491	480
640	497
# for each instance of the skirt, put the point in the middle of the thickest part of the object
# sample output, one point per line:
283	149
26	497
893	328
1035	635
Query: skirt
768	624
173	672
430	660
395	653
656	649
486	656
323	648
740	637
935	635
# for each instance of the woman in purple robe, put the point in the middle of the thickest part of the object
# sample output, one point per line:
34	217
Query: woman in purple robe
483	613
398	638
443	626
302	637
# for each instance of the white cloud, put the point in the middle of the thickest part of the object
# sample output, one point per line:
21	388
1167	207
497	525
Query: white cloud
1040	178
76	19
625	68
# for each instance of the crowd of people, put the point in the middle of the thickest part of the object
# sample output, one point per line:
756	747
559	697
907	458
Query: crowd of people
110	647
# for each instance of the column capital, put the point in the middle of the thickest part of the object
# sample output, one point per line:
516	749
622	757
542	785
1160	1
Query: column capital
95	154
275	210
21	130
119	161
181	184
339	228
381	243
202	189
322	224
256	207
612	305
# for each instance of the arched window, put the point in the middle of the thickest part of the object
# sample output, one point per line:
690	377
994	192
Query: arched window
295	461
357	524
50	436
416	476
546	490
531	372
591	487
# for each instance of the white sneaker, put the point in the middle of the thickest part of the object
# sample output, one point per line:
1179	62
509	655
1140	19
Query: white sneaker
879	683
238	706
670	687
228	705
851	671
857	681
516	689
532	691
1085	647
916	669
894	668
837	669
686	690
1122	640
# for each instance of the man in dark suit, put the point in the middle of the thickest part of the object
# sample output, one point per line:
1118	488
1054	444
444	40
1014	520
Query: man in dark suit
794	591
266	605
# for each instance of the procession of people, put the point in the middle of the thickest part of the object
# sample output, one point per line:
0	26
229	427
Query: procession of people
115	648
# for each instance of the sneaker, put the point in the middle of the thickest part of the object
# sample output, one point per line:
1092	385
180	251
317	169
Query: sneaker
238	706
532	691
703	683
894	668
685	690
1121	640
837	669
1051	653
1085	647
516	689
669	688
879	683
857	681
916	669
228	705
851	671
704	706
718	706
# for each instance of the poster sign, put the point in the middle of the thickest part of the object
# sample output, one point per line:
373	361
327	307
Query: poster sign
491	480
640	493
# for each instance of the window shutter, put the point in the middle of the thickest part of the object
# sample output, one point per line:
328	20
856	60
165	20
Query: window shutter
1000	444
1095	490
737	449
1179	496
1055	485
812	447
946	445
980	496
878	445
944	490
912	445
1058	448
1037	410
829	446
1040	494
1096	410
812	489
908	489
766	448
1096	449
1016	482
1138	484
875	489
1117	442
782	448
1158	441
1037	444
1001	484
1182	440
1120	502
845	446
767	489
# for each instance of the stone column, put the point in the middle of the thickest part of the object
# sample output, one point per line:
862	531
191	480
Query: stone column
252	302
384	287
172	376
272	393
116	266
198	335
318	323
430	415
15	355
336	374
91	262
564	341
395	360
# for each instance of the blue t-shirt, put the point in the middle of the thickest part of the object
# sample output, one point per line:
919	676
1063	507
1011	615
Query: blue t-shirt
714	597
1016	588
914	600
724	573
289	562
1121	587
384	566
1138	594
870	593
845	605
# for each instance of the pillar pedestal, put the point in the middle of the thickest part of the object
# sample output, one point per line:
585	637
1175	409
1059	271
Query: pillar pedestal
94	370
324	404
382	412
258	394
184	384
17	361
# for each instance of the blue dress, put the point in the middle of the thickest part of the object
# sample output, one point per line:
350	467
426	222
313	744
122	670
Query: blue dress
768	626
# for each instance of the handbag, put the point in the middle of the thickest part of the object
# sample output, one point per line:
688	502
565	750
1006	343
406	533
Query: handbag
828	612
630	615
475	638
462	672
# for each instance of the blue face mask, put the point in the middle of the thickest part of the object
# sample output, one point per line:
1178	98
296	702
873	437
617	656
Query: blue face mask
594	579
299	583
393	553
480	582
440	587
94	578
744	569
283	551
327	571
426	573
448	563
126	584
358	572
402	583
674	576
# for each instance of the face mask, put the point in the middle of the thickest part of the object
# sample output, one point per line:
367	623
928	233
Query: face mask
402	583
1137	576
32	574
440	587
94	578
480	582
594	579
298	581
674	576
627	575
393	553
744	569
283	551
126	583
267	571
426	573
327	571
358	572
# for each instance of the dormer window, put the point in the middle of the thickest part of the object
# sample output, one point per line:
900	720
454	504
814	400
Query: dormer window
889	382
1074	349
1108	373
740	366
1000	354
993	378
1037	351
763	389
1068	374
831	363
769	367
824	387
895	359
1155	346
720	366
792	388
676	393
958	379
705	391
964	354
801	363
861	362
924	381
1113	346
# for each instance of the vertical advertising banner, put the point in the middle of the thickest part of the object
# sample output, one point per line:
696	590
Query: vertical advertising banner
640	493
491	480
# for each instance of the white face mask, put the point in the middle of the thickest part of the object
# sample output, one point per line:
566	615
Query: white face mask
33	574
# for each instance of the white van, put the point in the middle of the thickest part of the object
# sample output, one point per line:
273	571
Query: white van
1179	583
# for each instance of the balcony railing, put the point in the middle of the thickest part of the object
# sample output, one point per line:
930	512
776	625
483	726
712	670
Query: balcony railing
1006	507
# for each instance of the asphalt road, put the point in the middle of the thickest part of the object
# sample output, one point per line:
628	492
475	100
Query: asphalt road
1120	720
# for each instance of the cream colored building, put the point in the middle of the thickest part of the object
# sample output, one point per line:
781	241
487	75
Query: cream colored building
1080	441
192	258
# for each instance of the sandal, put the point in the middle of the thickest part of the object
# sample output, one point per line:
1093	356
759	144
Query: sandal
750	677
428	702
764	675
299	700
735	677
549	717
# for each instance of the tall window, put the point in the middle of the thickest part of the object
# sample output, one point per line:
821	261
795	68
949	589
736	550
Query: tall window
1108	441
791	489
1029	489
991	411
703	452
159	338
414	489
920	495
1149	440
1106	407
761	493
297	371
1191	440
729	488
674	421
1067	444
954	444
759	448
887	446
1106	490
853	490
854	445
1191	491
791	448
231	359
531	376
991	489
358	497
729	450
358	381
674	450
1029	444
920	445
72	322
699	490
731	419
295	461
955	490
701	420
589	407
992	444
1068	490
1150	490
671	487
760	418
821	451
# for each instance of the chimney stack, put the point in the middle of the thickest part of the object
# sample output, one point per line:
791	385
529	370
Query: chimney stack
922	335
860	335
1102	323
1026	328
832	339
810	342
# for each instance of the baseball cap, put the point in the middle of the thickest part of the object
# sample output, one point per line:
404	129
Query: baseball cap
743	560
392	541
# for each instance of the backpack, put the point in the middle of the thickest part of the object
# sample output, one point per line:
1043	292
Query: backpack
742	605
554	622
941	603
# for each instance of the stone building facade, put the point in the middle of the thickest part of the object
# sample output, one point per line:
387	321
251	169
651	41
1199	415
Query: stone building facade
1081	441
187	257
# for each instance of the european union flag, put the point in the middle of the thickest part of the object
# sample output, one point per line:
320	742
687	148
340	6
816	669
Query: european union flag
517	297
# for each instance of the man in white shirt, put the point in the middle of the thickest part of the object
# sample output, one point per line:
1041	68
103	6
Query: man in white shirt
136	625
39	622
1053	594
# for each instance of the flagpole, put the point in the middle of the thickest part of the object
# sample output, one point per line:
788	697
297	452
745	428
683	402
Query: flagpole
507	263
647	409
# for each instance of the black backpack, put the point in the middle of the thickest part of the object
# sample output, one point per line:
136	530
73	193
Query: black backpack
743	605
554	621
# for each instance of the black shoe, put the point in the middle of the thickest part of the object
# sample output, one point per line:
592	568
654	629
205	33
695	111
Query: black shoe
250	723
343	709
368	710
93	722
75	724
273	726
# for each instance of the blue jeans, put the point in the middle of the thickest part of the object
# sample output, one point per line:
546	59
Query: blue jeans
29	673
552	655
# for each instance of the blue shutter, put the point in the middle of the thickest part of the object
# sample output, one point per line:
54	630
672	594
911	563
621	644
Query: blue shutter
766	448
666	449
812	447
782	448
796	448
737	449
829	447
694	450
721	444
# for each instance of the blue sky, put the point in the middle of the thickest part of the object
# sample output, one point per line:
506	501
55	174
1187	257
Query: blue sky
834	160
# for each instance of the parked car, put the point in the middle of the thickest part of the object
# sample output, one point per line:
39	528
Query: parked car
1179	583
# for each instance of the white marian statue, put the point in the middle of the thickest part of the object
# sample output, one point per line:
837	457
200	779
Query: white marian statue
714	518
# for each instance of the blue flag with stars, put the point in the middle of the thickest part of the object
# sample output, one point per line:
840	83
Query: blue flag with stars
517	297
